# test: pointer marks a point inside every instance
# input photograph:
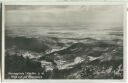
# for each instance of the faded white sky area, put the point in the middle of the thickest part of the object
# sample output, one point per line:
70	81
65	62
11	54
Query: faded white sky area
63	15
74	19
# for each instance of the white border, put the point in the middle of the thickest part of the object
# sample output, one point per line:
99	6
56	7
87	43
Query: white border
70	0
63	3
125	46
1	43
3	38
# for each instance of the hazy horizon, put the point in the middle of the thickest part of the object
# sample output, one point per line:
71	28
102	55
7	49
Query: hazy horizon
69	21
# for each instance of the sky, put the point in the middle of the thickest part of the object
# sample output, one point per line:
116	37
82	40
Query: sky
62	15
64	18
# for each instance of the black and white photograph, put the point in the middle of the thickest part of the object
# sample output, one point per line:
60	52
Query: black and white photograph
64	42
